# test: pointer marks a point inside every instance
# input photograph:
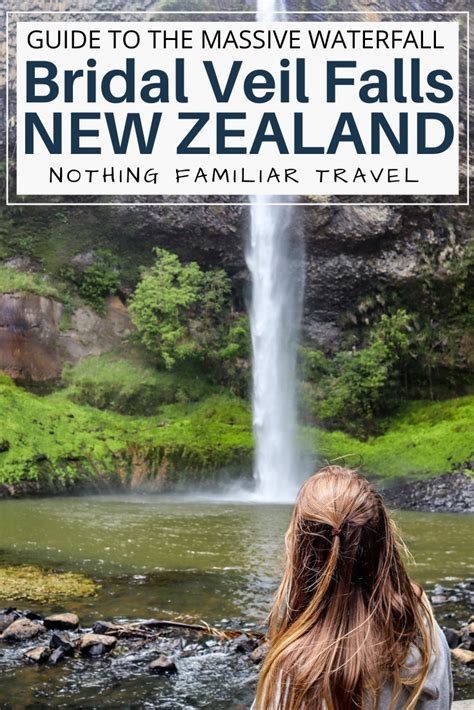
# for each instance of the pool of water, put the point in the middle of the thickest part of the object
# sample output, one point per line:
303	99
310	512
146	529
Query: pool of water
156	556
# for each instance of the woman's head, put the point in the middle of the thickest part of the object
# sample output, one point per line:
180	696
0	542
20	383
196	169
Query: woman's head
346	612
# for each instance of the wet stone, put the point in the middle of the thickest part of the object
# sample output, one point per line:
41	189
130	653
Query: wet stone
452	637
463	656
32	615
62	621
39	654
162	664
259	653
439	599
57	656
21	630
104	627
245	644
98	649
7	617
63	643
88	641
467	636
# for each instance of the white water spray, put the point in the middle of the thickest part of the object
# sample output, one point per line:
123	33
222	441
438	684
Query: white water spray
275	314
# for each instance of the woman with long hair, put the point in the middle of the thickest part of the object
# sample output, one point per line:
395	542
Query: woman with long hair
348	628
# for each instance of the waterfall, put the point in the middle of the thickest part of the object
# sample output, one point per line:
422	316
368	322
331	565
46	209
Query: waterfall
275	315
266	10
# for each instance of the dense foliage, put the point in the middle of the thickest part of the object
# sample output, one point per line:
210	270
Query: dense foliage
356	388
165	397
184	315
96	280
99	279
132	386
57	443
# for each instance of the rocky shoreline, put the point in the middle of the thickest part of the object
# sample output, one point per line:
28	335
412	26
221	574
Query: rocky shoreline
162	645
61	636
450	493
173	650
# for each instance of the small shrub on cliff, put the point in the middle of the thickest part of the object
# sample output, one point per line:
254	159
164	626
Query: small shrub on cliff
99	279
359	387
232	360
178	310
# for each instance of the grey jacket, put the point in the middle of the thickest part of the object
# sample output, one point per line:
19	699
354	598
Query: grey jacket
438	689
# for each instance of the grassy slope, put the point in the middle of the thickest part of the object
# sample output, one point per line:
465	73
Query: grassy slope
425	439
131	385
52	437
46	437
12	280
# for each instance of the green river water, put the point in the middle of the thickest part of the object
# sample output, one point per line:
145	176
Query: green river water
161	557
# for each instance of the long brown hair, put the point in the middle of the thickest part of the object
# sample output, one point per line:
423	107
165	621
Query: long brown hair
346	613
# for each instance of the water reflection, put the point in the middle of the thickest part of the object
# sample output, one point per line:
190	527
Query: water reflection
208	558
158	556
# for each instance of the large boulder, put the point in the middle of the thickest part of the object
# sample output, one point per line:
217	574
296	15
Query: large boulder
65	622
22	630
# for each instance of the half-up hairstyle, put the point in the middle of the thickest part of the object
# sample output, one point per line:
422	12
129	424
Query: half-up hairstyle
346	613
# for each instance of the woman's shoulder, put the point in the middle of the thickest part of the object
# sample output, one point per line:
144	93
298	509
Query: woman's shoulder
437	692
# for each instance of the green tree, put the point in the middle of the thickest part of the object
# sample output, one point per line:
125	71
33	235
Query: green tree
178	309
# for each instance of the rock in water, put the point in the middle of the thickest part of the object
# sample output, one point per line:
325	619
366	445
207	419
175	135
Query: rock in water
62	621
32	615
452	637
162	664
104	627
39	654
439	599
62	643
467	636
260	652
89	642
21	630
7	617
245	644
97	650
464	656
56	656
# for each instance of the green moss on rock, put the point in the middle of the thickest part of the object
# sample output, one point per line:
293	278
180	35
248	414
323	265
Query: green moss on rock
130	385
58	444
424	439
12	280
37	585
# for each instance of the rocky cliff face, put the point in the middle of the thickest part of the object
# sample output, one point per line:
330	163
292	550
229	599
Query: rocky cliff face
28	336
354	256
34	348
351	252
